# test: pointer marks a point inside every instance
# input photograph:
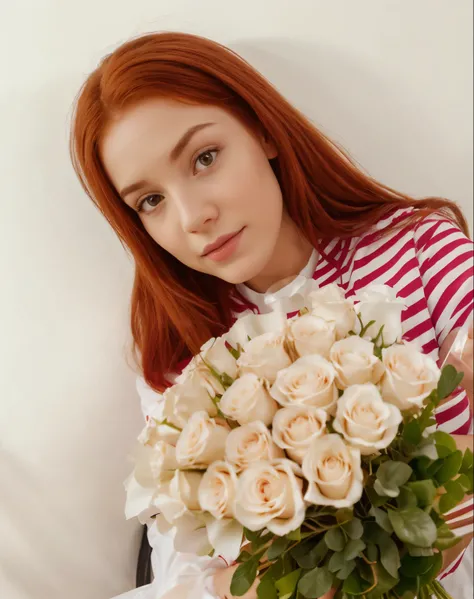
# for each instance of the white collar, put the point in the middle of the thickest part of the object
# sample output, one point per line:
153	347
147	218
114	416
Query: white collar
258	299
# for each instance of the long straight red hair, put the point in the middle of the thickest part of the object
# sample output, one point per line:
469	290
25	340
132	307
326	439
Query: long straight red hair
175	309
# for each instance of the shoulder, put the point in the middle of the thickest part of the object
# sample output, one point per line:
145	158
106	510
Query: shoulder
412	223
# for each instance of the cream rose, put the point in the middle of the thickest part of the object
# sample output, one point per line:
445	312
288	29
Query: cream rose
264	356
330	303
151	462
409	378
250	443
310	334
307	382
154	431
380	303
294	428
199	374
248	400
355	362
365	420
216	354
333	471
201	442
185	398
217	490
179	495
269	496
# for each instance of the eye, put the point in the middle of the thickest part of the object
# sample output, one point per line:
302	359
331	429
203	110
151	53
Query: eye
149	203
205	160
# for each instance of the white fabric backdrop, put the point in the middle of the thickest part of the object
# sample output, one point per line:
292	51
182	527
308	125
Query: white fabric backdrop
390	80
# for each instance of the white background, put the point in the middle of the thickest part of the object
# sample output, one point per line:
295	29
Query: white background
390	79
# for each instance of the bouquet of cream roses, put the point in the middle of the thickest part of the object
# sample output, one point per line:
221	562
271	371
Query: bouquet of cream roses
305	448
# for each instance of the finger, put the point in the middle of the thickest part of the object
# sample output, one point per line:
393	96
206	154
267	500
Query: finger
470	332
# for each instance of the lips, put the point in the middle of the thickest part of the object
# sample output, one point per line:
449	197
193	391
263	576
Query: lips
220	241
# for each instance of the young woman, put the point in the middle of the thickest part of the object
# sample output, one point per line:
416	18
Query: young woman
221	190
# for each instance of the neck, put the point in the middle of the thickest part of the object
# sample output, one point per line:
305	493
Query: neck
290	256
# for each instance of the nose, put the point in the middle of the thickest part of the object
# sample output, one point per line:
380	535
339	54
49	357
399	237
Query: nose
196	212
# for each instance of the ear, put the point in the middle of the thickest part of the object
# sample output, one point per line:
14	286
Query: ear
268	146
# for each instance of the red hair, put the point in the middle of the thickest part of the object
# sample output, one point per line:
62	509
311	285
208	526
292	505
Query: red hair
175	309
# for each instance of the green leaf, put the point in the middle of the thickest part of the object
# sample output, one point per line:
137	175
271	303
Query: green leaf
443	439
413	526
345	514
449	381
277	547
427	448
251	536
373	533
244	577
381	518
266	588
420	466
467	461
336	561
388	491
393	473
315	583
419	551
375	499
406	498
372	552
447	503
335	539
346	570
446	538
287	584
464	481
407	588
454	488
385	582
412	432
449	469
353	548
354	528
355	585
389	556
307	555
415	566
424	490
436	566
294	535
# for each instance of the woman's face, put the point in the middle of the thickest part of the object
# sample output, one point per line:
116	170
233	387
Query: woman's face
201	183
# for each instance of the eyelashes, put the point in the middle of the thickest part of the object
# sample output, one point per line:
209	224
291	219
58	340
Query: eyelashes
203	161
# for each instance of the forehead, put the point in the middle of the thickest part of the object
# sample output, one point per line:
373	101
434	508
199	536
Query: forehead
155	124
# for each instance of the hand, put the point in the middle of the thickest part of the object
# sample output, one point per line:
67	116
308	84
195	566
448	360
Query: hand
462	363
222	580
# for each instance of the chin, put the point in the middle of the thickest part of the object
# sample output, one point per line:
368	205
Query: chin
242	271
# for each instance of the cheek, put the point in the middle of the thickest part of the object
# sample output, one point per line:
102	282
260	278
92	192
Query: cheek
164	229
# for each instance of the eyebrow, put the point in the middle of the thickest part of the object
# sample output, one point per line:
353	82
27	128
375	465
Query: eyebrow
174	155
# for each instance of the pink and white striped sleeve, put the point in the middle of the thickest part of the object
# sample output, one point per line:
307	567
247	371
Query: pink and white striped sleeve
446	259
